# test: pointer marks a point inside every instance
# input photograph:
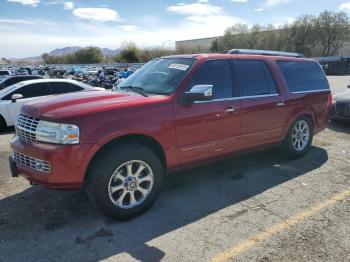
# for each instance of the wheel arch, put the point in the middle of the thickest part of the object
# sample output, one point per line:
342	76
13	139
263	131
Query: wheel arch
141	139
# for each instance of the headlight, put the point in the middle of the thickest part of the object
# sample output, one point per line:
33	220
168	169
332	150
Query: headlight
57	133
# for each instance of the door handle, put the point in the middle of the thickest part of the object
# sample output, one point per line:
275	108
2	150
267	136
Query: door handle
230	109
279	104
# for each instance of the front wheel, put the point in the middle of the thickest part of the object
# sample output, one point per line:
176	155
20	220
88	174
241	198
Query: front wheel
125	181
299	138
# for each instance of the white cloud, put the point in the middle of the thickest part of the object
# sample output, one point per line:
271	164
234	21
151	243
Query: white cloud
203	17
27	22
239	1
259	9
68	5
199	8
275	2
96	14
282	20
128	28
26	2
345	7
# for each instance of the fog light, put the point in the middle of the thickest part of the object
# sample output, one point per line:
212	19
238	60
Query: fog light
39	165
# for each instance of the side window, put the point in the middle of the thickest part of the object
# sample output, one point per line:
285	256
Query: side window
303	76
62	88
216	73
33	90
254	78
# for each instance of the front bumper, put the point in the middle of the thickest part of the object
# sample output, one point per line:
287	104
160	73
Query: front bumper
68	163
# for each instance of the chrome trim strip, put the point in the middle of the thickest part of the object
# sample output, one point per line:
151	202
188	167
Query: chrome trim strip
25	129
311	91
236	98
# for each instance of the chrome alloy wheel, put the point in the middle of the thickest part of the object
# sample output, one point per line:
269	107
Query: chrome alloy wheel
300	135
130	184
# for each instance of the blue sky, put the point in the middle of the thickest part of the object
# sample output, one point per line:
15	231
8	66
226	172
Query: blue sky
31	27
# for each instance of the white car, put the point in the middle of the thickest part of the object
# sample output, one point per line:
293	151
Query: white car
13	97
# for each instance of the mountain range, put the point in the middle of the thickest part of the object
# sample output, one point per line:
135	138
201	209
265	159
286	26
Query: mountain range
65	51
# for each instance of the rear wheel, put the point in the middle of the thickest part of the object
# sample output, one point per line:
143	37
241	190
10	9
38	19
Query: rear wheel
125	181
299	138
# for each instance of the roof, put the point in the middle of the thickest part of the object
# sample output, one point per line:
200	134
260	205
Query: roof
50	80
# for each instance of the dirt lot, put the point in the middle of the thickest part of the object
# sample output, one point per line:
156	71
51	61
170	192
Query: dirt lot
258	207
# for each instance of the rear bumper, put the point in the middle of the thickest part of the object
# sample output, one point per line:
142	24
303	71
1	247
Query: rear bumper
68	163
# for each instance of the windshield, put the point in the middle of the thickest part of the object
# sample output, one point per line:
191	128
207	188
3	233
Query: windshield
159	76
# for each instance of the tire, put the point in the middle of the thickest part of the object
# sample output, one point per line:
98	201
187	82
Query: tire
3	125
299	138
112	172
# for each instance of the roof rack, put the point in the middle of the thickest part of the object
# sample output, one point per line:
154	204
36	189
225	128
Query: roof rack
263	52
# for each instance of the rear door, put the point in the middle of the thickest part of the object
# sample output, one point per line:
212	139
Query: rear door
207	129
262	104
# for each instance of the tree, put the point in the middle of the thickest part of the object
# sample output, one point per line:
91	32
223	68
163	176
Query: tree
302	35
332	30
129	53
90	55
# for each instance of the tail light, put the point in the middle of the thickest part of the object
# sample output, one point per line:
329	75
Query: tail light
330	100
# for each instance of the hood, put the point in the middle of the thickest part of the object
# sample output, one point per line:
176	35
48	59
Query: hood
82	103
342	97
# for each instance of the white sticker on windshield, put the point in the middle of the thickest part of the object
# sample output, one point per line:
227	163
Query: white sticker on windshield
179	67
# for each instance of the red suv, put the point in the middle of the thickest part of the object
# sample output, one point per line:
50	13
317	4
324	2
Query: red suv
173	112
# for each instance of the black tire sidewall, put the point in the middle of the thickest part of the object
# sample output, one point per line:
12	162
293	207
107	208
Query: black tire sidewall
288	143
2	124
103	171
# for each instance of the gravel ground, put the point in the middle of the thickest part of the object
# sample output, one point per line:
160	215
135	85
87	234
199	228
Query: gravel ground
200	214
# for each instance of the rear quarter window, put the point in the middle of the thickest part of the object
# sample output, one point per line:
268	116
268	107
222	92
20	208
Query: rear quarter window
303	76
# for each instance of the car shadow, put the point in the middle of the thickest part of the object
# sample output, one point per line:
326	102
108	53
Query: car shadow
38	222
7	130
341	127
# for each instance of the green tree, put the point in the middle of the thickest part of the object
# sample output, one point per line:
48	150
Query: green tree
332	30
129	53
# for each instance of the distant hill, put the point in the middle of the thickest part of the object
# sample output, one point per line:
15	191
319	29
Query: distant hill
65	51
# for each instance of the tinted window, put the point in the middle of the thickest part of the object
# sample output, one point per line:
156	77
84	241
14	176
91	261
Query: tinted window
303	76
254	78
216	73
34	90
61	88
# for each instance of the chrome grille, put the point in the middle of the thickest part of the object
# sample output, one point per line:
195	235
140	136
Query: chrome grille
342	109
26	128
36	164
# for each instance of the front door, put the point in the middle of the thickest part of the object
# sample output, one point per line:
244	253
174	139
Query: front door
29	92
207	129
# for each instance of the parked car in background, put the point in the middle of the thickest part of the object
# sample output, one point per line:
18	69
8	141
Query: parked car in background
4	74
16	79
341	106
22	72
13	97
173	112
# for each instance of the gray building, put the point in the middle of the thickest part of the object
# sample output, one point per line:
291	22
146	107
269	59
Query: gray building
201	44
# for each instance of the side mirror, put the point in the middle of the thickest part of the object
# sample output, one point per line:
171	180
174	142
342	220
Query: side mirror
15	97
200	93
348	86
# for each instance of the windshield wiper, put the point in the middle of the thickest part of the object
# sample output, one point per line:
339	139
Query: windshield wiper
135	89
